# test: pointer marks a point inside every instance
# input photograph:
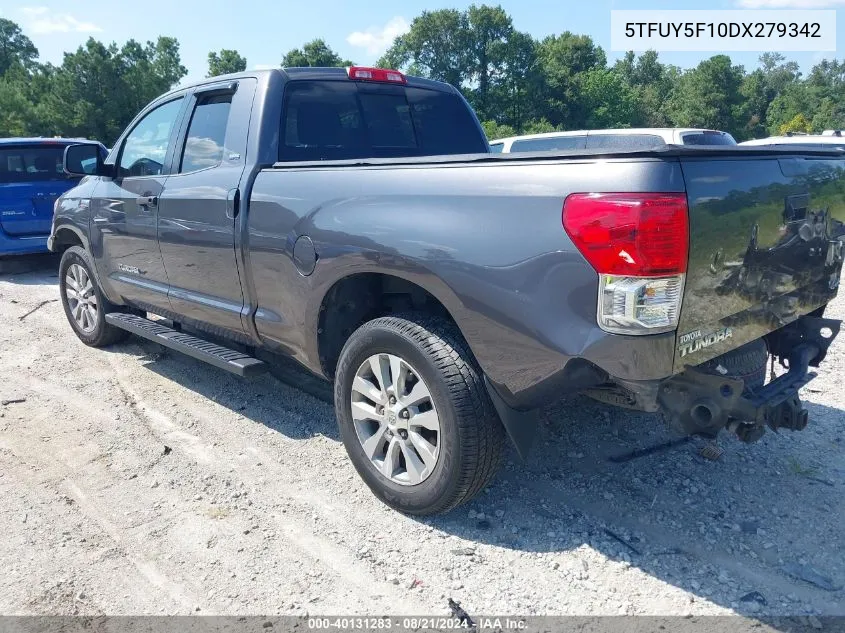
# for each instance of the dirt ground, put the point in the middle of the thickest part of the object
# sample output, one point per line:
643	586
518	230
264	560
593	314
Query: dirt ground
138	481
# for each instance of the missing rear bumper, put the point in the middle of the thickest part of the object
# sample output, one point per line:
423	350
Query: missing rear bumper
696	402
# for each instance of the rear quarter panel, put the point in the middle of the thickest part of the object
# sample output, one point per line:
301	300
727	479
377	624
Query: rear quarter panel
485	239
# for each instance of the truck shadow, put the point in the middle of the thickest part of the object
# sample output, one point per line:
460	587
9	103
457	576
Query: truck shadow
757	530
30	270
286	399
753	530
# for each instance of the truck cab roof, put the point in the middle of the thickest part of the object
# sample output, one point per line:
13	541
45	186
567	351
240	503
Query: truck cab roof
298	73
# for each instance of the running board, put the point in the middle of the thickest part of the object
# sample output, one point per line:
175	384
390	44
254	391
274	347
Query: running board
222	357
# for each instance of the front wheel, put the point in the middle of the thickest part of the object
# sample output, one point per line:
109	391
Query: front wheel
414	414
84	303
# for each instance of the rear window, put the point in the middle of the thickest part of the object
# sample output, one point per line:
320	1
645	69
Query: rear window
707	138
31	163
624	141
497	148
337	120
547	144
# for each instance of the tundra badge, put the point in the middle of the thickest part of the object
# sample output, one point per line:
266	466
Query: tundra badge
694	341
133	270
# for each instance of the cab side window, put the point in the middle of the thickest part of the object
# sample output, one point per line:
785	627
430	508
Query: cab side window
206	133
146	145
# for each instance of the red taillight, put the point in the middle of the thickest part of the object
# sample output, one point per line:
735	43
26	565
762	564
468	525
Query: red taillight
635	234
363	73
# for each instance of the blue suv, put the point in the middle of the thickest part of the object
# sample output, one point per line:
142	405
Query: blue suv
31	178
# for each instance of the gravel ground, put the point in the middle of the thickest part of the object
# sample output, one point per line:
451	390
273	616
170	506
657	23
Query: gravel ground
138	481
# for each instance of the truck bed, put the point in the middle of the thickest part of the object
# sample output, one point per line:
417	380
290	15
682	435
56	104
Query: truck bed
522	294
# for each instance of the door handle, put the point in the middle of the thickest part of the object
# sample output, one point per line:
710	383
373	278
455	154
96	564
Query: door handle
147	201
233	200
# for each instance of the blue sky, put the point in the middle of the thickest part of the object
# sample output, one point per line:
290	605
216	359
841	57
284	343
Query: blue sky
262	30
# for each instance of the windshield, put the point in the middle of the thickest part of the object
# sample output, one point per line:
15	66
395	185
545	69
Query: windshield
31	163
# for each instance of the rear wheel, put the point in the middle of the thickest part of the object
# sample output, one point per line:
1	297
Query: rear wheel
414	415
84	303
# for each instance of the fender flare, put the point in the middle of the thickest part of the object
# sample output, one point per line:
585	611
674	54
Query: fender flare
66	226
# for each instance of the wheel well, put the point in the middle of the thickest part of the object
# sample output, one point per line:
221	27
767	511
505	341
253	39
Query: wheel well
65	238
359	298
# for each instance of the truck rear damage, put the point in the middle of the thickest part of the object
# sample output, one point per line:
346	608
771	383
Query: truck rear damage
702	402
765	258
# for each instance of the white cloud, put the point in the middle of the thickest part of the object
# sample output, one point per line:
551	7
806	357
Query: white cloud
790	4
378	39
41	21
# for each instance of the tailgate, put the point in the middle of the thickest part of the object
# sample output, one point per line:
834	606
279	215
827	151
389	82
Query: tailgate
765	247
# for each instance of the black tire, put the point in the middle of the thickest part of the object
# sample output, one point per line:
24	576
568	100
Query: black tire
747	362
102	333
472	436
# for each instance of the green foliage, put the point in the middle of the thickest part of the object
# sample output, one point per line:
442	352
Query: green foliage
564	61
493	130
15	110
95	92
227	61
98	89
651	83
608	101
798	123
478	51
516	84
709	96
540	126
436	46
315	53
16	49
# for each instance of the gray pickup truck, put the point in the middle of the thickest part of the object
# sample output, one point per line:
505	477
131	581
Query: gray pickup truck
355	220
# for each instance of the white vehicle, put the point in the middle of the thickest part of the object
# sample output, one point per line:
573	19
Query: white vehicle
619	138
830	138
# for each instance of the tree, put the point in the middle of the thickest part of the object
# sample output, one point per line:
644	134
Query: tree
315	53
761	87
829	115
796	99
227	61
98	89
608	101
15	109
563	61
708	95
798	123
436	46
494	130
516	95
148	71
651	83
479	52
539	126
15	47
489	31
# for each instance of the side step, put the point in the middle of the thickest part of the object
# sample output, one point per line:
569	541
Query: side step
222	357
